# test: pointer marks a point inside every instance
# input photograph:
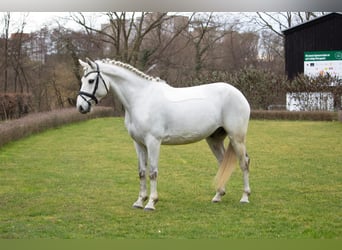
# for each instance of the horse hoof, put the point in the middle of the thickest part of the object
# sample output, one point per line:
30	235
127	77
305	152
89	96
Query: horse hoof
244	198
216	200
149	209
137	207
244	201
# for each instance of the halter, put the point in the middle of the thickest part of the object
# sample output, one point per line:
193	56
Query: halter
92	95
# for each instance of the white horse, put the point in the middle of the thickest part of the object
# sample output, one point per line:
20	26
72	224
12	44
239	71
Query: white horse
156	113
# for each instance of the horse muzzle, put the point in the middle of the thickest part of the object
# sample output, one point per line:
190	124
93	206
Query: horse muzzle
82	105
83	110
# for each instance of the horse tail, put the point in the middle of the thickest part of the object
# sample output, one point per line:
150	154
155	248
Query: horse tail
226	168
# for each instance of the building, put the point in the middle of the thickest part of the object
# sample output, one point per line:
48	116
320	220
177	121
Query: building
319	34
314	48
36	46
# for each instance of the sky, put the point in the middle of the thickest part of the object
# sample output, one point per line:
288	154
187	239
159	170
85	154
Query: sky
36	20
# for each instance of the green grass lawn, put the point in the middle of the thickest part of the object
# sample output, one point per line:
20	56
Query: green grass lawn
80	181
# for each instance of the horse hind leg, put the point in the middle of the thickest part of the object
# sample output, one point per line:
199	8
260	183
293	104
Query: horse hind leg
216	144
227	159
247	190
224	172
240	149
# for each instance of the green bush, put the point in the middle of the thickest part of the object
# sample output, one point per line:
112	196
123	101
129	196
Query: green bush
266	90
261	87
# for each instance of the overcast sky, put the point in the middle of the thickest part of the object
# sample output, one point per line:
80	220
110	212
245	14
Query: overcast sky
36	20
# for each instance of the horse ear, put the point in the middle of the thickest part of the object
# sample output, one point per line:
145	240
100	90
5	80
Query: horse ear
83	64
91	63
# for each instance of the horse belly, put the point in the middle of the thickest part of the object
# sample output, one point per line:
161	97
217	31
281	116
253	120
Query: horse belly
179	139
188	124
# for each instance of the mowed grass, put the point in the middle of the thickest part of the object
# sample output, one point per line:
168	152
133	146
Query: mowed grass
80	181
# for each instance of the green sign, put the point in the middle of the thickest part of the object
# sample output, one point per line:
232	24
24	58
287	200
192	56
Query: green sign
331	55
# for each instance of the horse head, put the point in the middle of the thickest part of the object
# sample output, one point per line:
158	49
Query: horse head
94	86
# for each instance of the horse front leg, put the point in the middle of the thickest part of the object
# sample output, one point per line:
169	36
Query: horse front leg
142	163
153	149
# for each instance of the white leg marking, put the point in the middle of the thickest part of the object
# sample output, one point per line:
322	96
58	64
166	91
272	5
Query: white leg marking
218	196
142	163
154	195
153	149
247	189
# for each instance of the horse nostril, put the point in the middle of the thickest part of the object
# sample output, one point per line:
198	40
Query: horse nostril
82	110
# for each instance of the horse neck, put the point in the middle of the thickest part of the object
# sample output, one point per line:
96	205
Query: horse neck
128	87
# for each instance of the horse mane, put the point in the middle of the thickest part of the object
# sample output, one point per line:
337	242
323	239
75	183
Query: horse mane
132	69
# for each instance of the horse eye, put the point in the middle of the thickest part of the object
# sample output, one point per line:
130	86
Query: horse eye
91	81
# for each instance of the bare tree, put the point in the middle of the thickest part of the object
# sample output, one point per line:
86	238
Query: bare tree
205	33
12	65
239	50
4	66
126	33
165	41
278	21
18	57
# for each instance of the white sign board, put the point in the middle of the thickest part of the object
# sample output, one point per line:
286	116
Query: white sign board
323	62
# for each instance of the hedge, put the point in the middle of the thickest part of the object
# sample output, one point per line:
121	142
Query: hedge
296	115
12	130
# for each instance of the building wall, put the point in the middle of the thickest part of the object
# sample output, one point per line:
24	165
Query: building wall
320	34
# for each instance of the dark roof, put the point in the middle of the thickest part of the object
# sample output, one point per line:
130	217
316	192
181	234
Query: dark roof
312	22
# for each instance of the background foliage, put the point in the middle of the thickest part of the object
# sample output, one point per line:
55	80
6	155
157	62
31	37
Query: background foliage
185	49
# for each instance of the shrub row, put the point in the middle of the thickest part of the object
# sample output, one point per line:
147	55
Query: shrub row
34	123
264	88
296	115
16	129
